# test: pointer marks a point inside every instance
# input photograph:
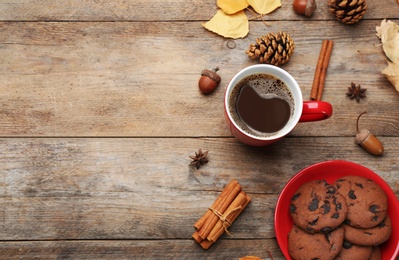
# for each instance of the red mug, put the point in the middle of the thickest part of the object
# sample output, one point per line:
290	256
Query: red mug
301	111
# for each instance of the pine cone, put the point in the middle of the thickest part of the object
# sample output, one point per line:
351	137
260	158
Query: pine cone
273	48
348	11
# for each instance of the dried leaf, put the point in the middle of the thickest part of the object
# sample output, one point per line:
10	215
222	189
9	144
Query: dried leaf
250	257
264	6
232	6
229	26
392	74
388	32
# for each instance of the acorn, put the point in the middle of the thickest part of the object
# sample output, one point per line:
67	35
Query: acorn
209	81
304	7
367	140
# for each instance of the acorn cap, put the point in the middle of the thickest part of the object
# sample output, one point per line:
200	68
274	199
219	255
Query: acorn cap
362	135
212	75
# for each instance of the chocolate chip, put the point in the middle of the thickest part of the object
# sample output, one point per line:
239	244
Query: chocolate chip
382	224
336	216
347	244
374	209
375	219
326	229
314	222
325	182
359	185
338	206
314	205
331	190
292	208
295	197
351	194
326	207
327	237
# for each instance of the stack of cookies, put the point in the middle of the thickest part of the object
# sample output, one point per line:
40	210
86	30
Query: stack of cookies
344	220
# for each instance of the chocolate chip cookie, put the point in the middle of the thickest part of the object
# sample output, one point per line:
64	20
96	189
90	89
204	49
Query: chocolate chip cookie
351	251
376	254
317	207
302	245
366	200
369	236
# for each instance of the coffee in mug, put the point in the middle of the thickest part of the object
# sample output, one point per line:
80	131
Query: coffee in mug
261	104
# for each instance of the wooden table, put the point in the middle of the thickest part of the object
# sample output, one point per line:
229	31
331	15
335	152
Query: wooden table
100	111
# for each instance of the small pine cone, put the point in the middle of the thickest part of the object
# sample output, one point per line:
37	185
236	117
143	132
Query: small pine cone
273	48
348	11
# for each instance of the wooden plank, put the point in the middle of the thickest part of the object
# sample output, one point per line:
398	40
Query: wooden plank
132	249
150	10
124	215
114	10
44	166
138	79
116	188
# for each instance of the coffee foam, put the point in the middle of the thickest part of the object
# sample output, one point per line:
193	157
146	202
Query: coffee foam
264	84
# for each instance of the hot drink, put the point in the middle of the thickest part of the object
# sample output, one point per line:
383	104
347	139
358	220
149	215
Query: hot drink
261	104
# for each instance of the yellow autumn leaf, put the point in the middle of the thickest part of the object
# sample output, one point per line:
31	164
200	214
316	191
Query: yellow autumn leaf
229	26
264	6
383	30
392	74
388	32
232	6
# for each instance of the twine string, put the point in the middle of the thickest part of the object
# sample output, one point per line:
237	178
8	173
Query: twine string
224	218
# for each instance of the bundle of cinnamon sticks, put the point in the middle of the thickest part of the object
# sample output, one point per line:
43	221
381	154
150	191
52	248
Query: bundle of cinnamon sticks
226	208
321	70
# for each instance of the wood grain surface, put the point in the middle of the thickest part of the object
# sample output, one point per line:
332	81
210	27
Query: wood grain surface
113	79
100	111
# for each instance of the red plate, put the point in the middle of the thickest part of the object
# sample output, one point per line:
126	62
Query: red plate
331	171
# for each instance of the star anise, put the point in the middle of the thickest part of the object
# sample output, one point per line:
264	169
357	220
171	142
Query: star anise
199	158
356	92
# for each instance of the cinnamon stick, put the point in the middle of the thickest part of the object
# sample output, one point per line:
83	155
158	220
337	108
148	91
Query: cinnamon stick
316	79
232	212
205	244
196	237
324	67
212	219
226	208
216	205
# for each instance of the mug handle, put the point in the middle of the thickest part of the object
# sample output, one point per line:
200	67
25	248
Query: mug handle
315	110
